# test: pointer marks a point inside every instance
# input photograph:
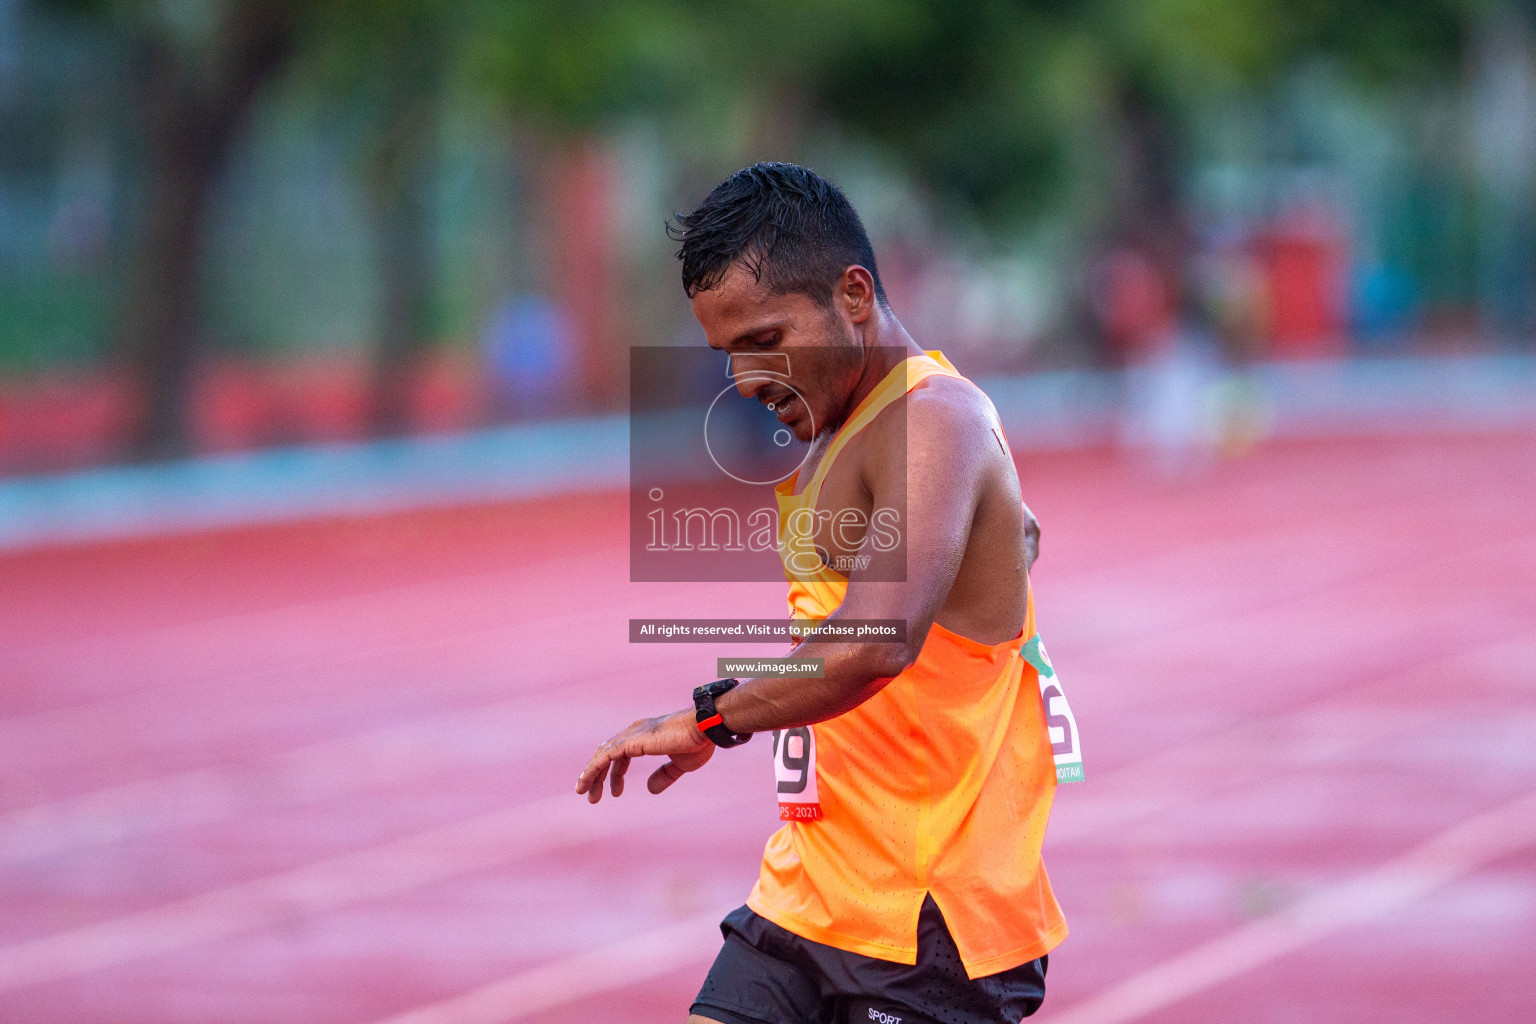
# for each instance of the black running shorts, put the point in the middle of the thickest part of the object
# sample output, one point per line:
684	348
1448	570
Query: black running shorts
766	975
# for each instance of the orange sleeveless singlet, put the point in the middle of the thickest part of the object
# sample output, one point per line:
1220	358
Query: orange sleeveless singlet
939	784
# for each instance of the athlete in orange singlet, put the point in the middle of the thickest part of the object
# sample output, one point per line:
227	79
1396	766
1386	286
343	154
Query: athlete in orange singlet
915	778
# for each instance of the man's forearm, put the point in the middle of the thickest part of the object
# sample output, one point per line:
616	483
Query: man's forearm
854	672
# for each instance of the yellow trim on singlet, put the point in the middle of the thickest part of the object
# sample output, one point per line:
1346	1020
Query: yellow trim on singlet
824	589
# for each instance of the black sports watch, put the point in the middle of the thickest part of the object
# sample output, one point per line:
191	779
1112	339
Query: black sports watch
710	722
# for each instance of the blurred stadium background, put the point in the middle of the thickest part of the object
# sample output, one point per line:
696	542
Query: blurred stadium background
314	322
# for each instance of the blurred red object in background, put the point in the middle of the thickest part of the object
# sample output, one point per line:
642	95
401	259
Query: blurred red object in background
1305	258
71	420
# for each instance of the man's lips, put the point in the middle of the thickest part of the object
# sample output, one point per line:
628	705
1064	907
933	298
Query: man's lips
783	406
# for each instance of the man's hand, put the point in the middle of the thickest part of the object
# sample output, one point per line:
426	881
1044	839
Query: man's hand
675	736
1031	538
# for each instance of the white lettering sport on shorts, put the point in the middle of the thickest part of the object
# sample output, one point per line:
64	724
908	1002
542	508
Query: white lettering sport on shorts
794	769
1066	744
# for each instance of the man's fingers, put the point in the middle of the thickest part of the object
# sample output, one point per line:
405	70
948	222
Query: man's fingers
596	772
664	776
620	766
594	767
595	794
645	737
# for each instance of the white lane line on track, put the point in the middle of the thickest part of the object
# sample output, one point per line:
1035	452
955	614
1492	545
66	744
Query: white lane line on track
384	596
220	631
1261	611
1454	853
302	642
556	821
465	847
1227	761
262	902
488	734
1169	775
397	752
568	980
413	749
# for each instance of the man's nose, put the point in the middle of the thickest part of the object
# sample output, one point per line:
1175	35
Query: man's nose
752	373
749	379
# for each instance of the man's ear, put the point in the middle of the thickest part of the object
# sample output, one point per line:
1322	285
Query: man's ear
856	293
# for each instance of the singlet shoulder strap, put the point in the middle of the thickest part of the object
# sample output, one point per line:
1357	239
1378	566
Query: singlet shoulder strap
903	378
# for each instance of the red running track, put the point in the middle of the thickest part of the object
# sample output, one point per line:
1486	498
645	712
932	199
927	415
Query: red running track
321	773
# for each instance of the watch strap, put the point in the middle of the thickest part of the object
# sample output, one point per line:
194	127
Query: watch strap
710	722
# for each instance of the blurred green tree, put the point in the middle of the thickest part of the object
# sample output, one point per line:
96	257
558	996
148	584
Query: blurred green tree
197	69
996	104
393	59
1154	64
993	102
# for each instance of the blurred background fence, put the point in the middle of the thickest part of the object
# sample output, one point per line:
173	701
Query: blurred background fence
233	225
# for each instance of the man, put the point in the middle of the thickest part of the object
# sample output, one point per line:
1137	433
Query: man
915	778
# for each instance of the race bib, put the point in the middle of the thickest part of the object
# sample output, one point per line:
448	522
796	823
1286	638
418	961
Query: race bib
794	769
1066	745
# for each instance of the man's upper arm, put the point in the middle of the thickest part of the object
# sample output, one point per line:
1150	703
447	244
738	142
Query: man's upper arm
938	474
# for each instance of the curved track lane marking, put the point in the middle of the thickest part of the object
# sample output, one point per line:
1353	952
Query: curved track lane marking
678	946
461	848
662	951
411	750
1456	852
495	838
1449	856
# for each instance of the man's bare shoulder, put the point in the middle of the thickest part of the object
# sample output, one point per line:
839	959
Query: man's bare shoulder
943	402
949	408
942	416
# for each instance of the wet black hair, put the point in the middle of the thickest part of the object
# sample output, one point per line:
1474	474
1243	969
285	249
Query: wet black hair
792	228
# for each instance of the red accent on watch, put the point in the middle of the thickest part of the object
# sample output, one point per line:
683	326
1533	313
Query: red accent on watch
710	723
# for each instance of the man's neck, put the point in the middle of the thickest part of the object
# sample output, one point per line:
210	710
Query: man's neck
886	346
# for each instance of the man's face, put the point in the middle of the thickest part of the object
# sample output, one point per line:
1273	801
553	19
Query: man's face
787	351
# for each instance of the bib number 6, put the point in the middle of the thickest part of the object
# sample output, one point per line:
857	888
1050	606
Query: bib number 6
1060	723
